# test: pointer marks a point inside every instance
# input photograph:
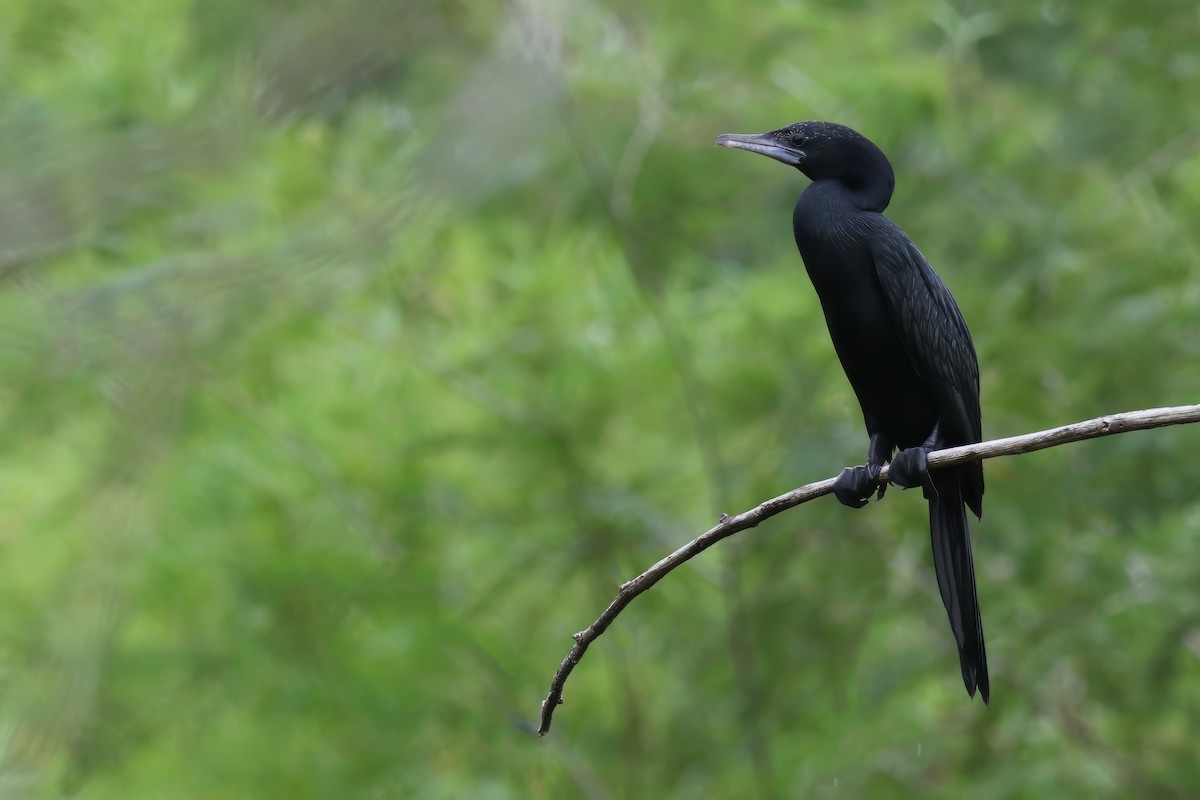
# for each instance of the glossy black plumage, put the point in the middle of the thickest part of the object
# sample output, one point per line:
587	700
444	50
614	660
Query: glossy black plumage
903	344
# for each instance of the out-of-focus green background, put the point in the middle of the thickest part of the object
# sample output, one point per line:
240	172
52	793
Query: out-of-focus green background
352	354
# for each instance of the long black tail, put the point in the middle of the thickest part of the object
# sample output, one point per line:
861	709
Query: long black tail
956	576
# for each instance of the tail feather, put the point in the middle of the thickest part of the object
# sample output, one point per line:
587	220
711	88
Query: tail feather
955	568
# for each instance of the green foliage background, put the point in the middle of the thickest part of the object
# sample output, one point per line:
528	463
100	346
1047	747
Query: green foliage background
352	353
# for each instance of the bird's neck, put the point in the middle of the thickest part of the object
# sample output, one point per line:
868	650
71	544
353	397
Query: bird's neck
824	208
873	193
862	179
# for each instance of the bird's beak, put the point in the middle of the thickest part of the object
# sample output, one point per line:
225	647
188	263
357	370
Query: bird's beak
764	144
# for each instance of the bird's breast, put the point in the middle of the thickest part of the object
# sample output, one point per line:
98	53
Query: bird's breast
839	260
833	236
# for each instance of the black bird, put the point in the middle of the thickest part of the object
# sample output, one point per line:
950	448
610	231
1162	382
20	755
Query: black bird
903	344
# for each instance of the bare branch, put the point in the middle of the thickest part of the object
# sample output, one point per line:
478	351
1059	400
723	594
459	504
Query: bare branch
1013	445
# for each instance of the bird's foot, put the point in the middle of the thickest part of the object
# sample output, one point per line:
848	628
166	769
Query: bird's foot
910	468
856	484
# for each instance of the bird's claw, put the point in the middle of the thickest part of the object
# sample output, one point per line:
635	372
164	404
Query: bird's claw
910	468
873	471
854	486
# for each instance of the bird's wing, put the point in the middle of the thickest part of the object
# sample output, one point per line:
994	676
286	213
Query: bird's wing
933	333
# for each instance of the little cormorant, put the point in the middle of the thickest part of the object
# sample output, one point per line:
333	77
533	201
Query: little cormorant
903	344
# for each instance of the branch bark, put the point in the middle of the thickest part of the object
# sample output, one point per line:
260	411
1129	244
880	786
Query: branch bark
1013	445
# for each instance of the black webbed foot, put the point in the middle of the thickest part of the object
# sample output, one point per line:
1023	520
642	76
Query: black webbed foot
854	486
910	468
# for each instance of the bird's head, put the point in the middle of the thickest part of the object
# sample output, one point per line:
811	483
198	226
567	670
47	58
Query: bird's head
825	151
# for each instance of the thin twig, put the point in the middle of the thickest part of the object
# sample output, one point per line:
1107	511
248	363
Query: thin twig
1013	445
